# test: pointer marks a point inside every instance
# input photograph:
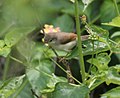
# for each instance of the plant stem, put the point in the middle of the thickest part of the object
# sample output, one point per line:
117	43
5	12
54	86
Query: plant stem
81	60
116	7
6	67
16	60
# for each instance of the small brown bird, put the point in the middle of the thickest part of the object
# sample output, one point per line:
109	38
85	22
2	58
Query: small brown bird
62	40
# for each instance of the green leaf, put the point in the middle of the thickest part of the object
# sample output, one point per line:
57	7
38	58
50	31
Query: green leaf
25	13
52	82
23	92
40	75
2	43
100	42
73	1
113	93
98	47
115	22
113	76
101	61
65	90
16	34
42	50
88	50
100	31
26	48
116	36
69	9
12	38
117	67
65	22
116	48
107	11
28	13
86	3
9	87
38	80
5	51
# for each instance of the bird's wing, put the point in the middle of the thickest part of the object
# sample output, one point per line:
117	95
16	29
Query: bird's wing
66	37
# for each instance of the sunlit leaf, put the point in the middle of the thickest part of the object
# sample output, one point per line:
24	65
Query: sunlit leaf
2	43
9	87
73	1
100	31
52	82
116	36
25	93
113	93
115	22
4	51
65	90
86	3
95	83
113	76
98	47
101	61
116	48
117	67
55	80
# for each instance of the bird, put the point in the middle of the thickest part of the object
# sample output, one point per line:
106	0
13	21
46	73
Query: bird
62	40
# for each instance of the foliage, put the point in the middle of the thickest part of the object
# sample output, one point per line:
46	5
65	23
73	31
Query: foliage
115	22
22	18
112	93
